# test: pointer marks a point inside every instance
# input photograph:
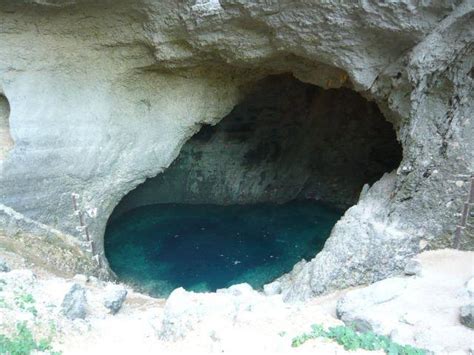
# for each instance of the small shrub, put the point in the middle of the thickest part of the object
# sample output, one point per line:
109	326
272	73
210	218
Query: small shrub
350	339
23	342
26	302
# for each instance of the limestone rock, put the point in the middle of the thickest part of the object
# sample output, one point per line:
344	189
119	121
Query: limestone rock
412	268
467	315
74	305
114	298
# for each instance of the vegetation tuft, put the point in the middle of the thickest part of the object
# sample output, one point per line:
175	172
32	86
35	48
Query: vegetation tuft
26	303
23	342
350	339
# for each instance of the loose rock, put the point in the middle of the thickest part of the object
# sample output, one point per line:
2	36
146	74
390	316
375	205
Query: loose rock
114	298
4	266
74	305
412	268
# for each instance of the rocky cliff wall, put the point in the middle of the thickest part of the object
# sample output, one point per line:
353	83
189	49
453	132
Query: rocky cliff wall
103	95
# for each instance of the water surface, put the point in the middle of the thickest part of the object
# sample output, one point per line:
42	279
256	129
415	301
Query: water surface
161	247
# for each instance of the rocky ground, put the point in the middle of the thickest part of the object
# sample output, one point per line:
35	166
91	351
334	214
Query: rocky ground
428	307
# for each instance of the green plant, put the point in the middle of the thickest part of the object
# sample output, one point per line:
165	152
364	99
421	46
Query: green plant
26	302
350	339
23	342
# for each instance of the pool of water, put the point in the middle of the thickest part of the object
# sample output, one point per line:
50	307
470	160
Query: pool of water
205	247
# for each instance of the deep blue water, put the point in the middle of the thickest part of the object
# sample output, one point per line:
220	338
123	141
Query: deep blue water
205	247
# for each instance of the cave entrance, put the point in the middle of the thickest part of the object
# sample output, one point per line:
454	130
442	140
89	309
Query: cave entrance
249	197
6	141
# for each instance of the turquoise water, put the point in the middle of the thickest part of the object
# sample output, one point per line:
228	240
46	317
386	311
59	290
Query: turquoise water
205	247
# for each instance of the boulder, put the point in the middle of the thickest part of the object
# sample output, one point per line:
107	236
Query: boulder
114	298
74	305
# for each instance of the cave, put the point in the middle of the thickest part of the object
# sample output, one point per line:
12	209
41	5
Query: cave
249	197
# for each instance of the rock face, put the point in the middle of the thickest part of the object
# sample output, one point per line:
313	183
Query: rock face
102	98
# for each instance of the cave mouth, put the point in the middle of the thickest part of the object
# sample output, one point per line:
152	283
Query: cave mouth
249	197
6	141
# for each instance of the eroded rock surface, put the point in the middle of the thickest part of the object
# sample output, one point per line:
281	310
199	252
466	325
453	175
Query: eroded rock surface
101	98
